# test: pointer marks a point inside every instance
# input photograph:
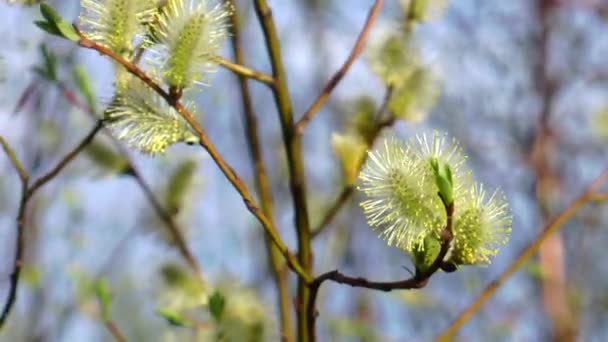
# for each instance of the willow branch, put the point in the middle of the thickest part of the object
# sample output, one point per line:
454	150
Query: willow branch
524	255
66	160
337	77
243	71
20	240
291	139
262	185
417	281
26	194
228	172
114	331
10	153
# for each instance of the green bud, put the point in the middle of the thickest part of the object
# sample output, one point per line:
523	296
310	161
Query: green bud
425	255
102	292
55	24
443	179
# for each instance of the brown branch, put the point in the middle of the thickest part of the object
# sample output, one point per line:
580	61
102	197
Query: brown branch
65	161
524	255
228	172
243	71
114	331
26	194
20	240
418	280
337	77
279	271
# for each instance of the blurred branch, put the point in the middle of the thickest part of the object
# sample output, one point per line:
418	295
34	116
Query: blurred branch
523	256
55	171
132	170
228	172
418	280
10	153
348	190
26	194
243	71
114	331
293	148
262	185
337	77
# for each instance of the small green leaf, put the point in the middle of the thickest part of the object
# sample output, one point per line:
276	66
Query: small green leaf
49	13
55	24
178	185
106	158
84	85
50	63
104	298
217	303
443	179
47	27
67	31
424	256
173	317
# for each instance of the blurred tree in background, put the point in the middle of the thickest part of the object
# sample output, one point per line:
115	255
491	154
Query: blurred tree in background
314	121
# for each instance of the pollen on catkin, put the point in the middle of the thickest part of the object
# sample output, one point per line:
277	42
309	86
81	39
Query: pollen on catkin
115	23
141	118
185	39
400	186
482	223
403	202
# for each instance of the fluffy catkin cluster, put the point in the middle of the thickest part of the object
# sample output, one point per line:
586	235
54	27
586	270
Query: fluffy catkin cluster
403	201
138	116
179	39
115	23
186	38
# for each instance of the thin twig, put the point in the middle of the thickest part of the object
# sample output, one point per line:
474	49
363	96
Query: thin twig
228	172
10	153
337	77
66	160
20	240
293	148
26	194
524	255
279	271
244	71
114	331
418	280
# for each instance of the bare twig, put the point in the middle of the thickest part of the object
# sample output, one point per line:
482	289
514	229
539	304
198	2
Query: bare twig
524	255
114	331
418	280
293	148
243	71
10	153
337	77
65	161
279	271
20	240
228	172
26	194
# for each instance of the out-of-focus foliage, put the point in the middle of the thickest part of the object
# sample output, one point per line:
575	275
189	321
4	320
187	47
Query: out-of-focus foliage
600	123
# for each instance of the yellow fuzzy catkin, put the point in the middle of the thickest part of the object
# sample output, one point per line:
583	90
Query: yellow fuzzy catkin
186	38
